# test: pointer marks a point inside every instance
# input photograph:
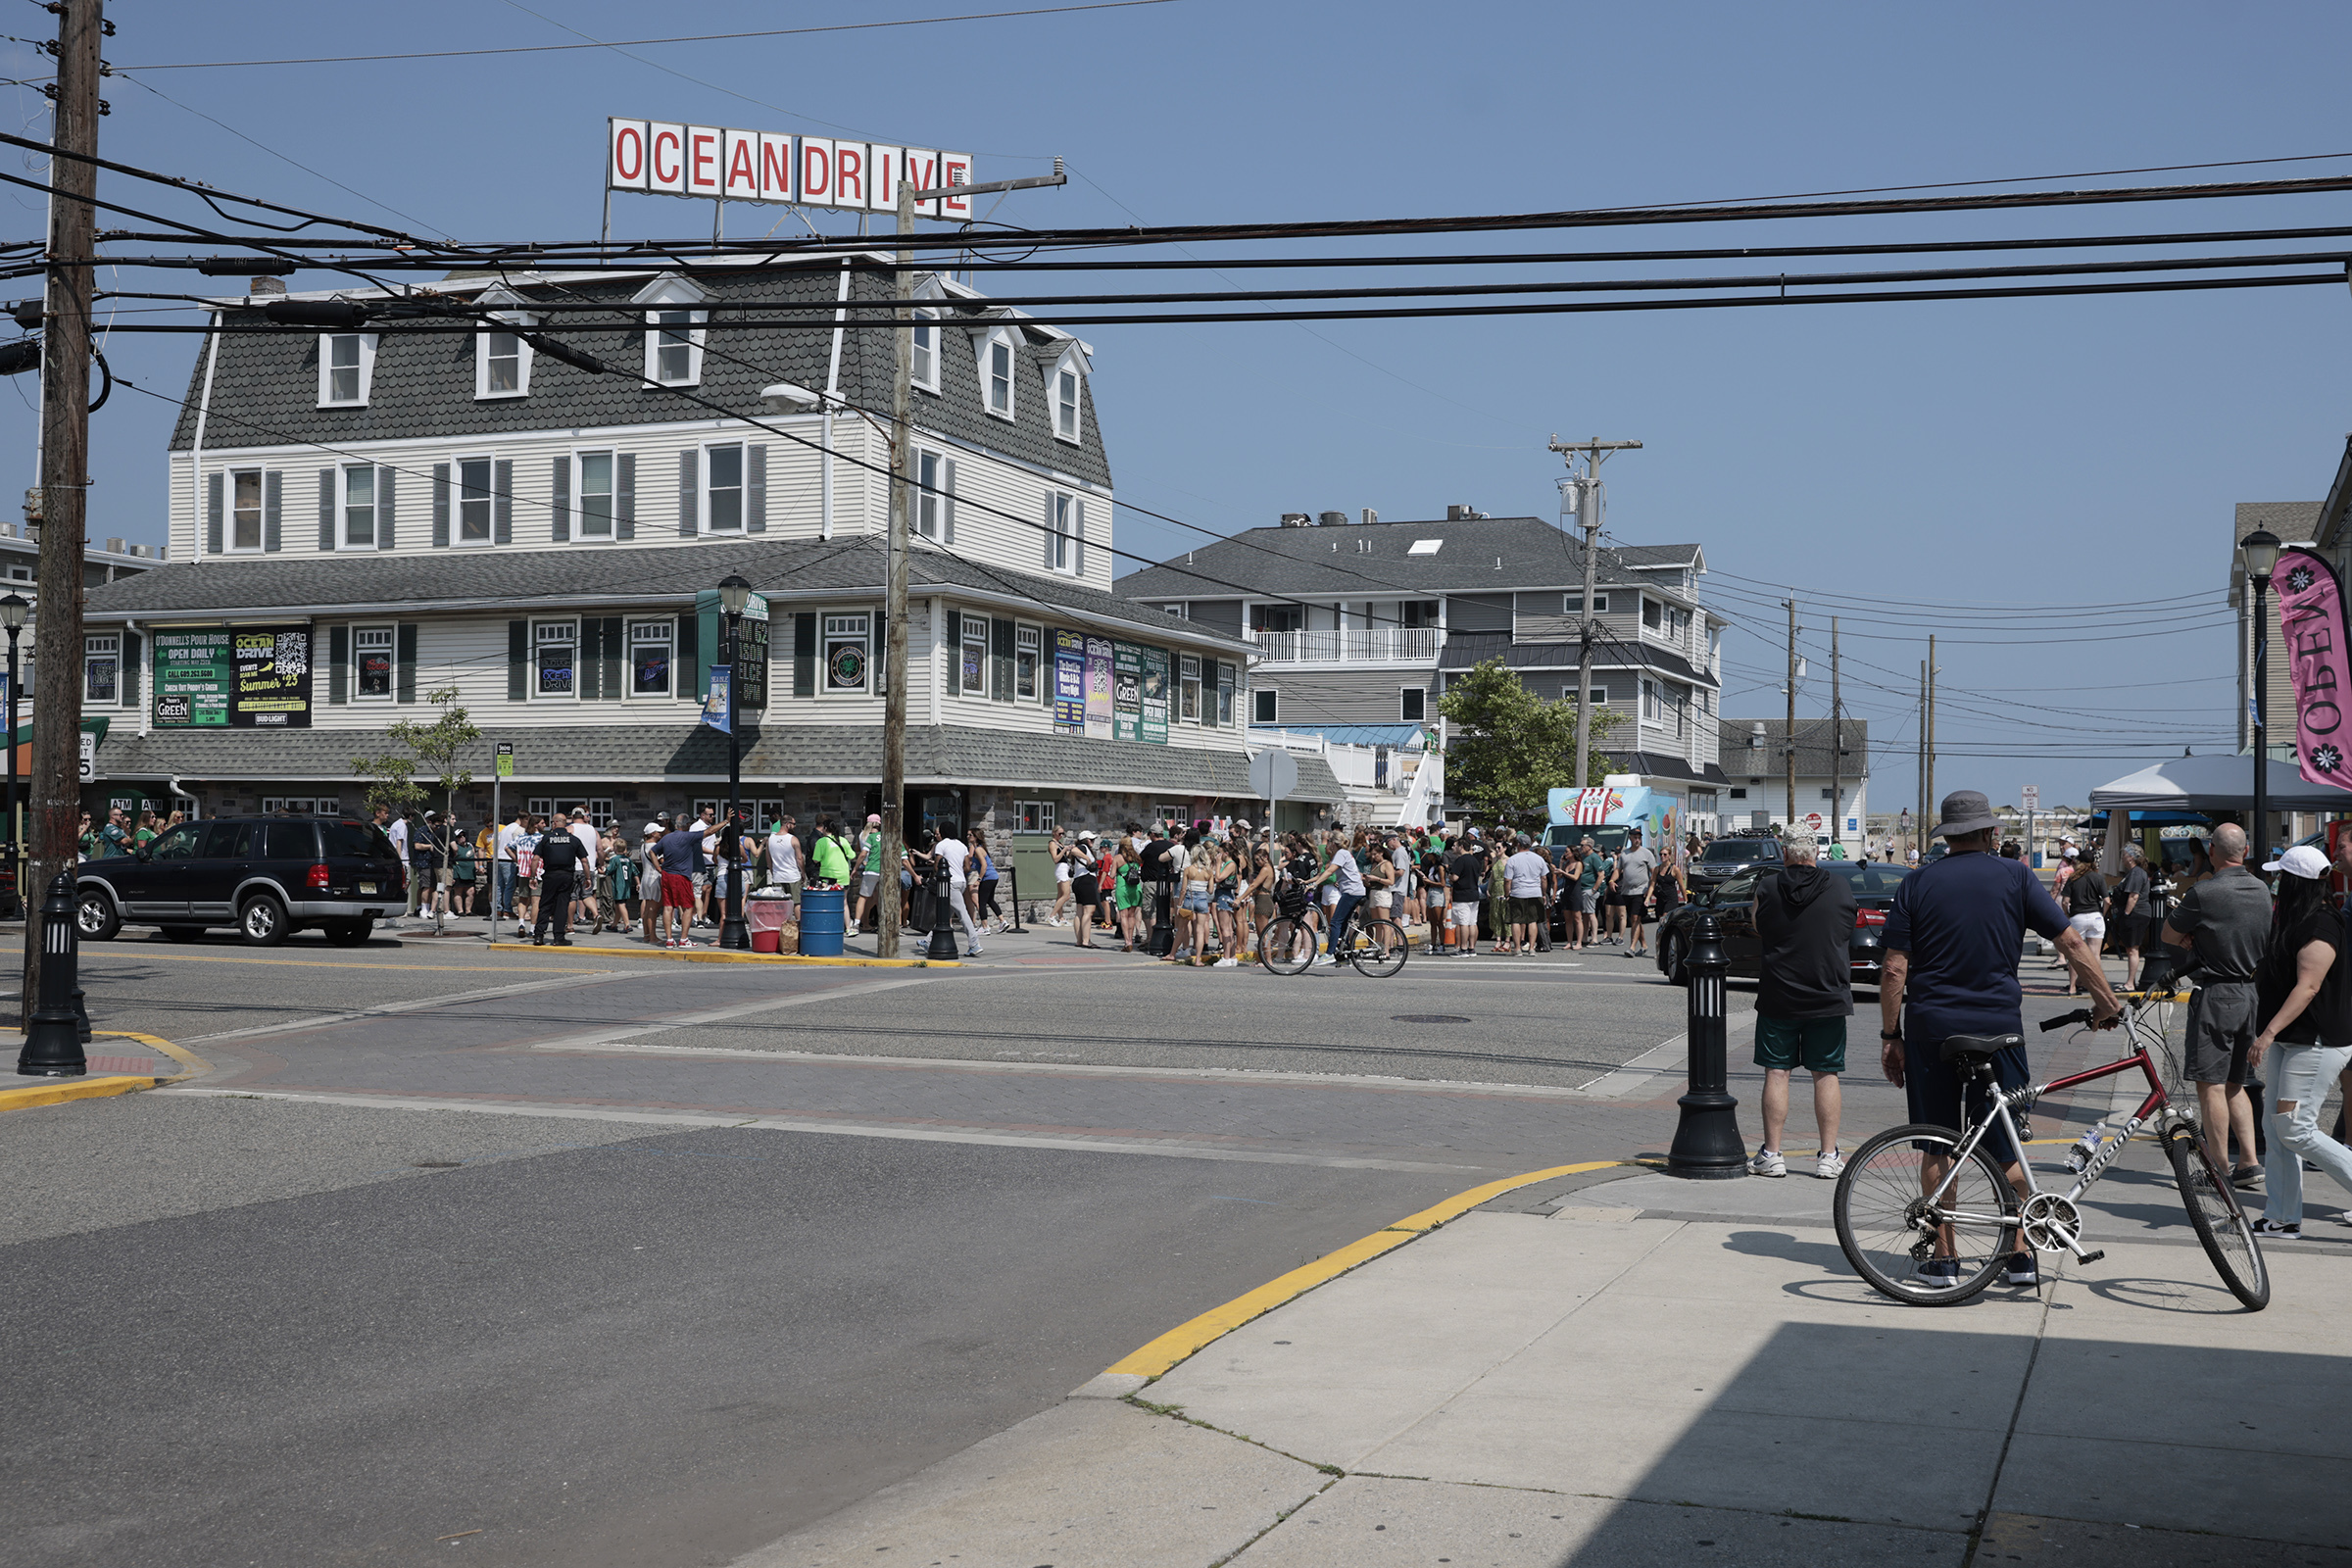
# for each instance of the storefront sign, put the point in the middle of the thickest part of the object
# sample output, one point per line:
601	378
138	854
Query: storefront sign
237	677
1155	696
2311	615
718	163
1101	698
716	710
1070	682
1127	692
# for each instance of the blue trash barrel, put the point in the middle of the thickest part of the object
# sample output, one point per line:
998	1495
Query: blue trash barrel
823	921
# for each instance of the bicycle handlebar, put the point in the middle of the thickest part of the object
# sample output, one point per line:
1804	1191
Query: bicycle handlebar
2079	1015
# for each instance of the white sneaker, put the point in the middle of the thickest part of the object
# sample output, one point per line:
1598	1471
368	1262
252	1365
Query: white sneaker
1831	1166
1228	963
971	952
1767	1163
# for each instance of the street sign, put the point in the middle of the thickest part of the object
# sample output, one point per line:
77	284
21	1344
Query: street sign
506	759
89	757
2029	797
1273	774
719	163
1813	820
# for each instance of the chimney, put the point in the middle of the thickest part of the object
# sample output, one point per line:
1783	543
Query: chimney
1297	519
262	290
1370	515
1332	519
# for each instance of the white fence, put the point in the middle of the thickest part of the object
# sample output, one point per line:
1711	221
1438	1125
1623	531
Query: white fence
1379	645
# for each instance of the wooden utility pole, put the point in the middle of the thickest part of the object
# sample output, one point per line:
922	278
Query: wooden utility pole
1788	752
1588	629
894	656
55	810
1837	751
1929	741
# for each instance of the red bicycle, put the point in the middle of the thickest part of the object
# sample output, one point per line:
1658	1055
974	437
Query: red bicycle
1927	1215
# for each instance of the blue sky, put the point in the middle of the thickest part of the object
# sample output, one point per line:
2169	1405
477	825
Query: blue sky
2012	452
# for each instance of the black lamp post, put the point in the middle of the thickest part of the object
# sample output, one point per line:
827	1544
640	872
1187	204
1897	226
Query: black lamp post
1706	1140
734	593
2259	551
12	611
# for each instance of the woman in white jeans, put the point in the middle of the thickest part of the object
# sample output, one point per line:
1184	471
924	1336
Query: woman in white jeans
2313	1034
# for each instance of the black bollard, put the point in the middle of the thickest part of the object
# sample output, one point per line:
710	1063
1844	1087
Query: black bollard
53	1034
1015	873
943	918
1162	940
1706	1141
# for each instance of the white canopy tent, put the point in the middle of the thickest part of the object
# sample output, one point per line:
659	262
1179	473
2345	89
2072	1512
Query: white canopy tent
2218	783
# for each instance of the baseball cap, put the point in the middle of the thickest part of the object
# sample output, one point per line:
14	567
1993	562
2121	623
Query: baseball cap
2303	860
653	829
875	820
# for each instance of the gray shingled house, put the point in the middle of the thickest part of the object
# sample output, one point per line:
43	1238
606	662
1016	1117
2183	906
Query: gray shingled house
361	518
1360	626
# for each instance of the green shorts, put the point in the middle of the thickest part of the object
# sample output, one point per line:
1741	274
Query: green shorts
1818	1045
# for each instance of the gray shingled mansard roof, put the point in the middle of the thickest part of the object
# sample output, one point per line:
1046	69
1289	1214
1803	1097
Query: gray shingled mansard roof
1330	561
1742	760
1463	652
689	753
265	387
637	574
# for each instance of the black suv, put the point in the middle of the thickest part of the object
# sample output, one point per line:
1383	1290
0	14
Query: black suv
1726	859
269	877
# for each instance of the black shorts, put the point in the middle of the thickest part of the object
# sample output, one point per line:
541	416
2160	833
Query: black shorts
2129	931
1933	1086
1086	890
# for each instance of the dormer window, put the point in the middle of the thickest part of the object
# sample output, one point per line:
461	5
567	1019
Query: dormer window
1065	384
674	320
502	365
999	378
346	366
502	359
925	372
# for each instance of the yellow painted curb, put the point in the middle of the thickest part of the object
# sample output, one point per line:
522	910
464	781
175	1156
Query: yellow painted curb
715	955
1173	1346
197	1067
55	1093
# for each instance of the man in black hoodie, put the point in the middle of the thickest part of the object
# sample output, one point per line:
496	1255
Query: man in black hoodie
1804	994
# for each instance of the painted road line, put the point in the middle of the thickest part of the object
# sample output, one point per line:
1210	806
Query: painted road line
718	955
51	1094
606	1038
785	1124
586	977
1163	1354
1386	1082
1659	1061
392	965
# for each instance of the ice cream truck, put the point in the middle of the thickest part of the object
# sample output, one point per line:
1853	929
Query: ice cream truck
1608	814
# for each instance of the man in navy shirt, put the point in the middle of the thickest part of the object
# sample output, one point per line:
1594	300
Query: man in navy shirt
1953	937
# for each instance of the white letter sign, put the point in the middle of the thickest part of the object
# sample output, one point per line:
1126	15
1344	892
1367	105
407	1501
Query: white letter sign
723	164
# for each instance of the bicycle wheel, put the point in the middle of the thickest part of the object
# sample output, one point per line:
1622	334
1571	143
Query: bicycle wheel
1378	948
2220	1225
1286	947
1916	1251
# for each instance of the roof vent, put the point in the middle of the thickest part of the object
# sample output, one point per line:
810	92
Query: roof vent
1370	515
1298	519
114	547
1332	519
1459	513
259	289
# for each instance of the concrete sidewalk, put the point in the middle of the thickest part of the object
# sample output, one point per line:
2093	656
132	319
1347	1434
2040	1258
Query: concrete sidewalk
1628	1370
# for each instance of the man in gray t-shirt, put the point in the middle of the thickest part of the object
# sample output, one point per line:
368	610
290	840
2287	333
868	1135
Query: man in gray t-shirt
1636	865
2225	921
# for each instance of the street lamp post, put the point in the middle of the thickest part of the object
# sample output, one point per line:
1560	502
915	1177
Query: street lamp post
12	611
2259	551
734	593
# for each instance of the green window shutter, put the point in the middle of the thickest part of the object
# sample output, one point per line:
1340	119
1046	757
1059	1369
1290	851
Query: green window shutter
338	664
804	653
518	655
881	654
405	647
610	678
1000	660
587	662
693	679
129	683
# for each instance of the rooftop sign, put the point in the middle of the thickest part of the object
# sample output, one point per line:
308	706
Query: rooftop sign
718	163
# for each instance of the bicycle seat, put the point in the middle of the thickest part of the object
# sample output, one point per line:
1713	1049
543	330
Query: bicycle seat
1961	1048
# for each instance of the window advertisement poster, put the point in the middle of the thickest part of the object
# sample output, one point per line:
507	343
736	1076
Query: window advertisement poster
717	712
1070	682
1127	691
1101	699
237	677
1155	695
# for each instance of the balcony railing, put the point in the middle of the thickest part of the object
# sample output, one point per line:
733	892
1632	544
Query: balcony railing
1379	645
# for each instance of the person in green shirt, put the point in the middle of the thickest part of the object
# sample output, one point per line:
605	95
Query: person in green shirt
830	861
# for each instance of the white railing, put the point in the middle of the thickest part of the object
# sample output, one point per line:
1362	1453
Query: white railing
1378	645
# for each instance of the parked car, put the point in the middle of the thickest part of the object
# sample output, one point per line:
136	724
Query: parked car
267	876
1726	859
1734	905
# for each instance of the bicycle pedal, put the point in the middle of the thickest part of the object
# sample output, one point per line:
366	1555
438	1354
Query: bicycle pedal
2092	1257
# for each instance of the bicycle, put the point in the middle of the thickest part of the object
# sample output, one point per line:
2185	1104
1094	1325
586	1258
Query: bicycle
1927	1216
1374	944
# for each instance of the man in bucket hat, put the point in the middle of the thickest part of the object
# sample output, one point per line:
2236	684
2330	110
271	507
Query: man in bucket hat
1953	937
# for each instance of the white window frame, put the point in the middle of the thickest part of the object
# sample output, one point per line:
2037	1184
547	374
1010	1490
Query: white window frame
1065	532
344	506
488	502
299	805
579	493
107	646
705	489
649	632
1034	817
366	368
568	628
1405	696
1574	604
925	372
503	323
827	633
972	682
364	639
261	512
1187	688
673	292
1009	339
930	498
1653	703
1272	698
1031	640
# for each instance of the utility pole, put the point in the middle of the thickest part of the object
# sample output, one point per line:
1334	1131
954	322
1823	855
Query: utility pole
1931	730
1919	831
1788	752
56	786
1836	750
1587	517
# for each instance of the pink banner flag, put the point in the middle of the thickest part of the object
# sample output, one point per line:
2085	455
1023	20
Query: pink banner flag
2311	615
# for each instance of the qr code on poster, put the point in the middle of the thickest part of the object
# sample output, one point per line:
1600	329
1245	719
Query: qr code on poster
293	653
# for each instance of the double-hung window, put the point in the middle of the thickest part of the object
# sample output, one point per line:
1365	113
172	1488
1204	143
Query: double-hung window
346	365
595	486
1653	707
554	651
475	501
649	644
372	654
673	349
1064	512
924	371
1652	614
1264	706
245	508
997	375
722	488
359	507
101	667
971	669
1187	688
930	503
1574	604
501	364
1066	405
1028	653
